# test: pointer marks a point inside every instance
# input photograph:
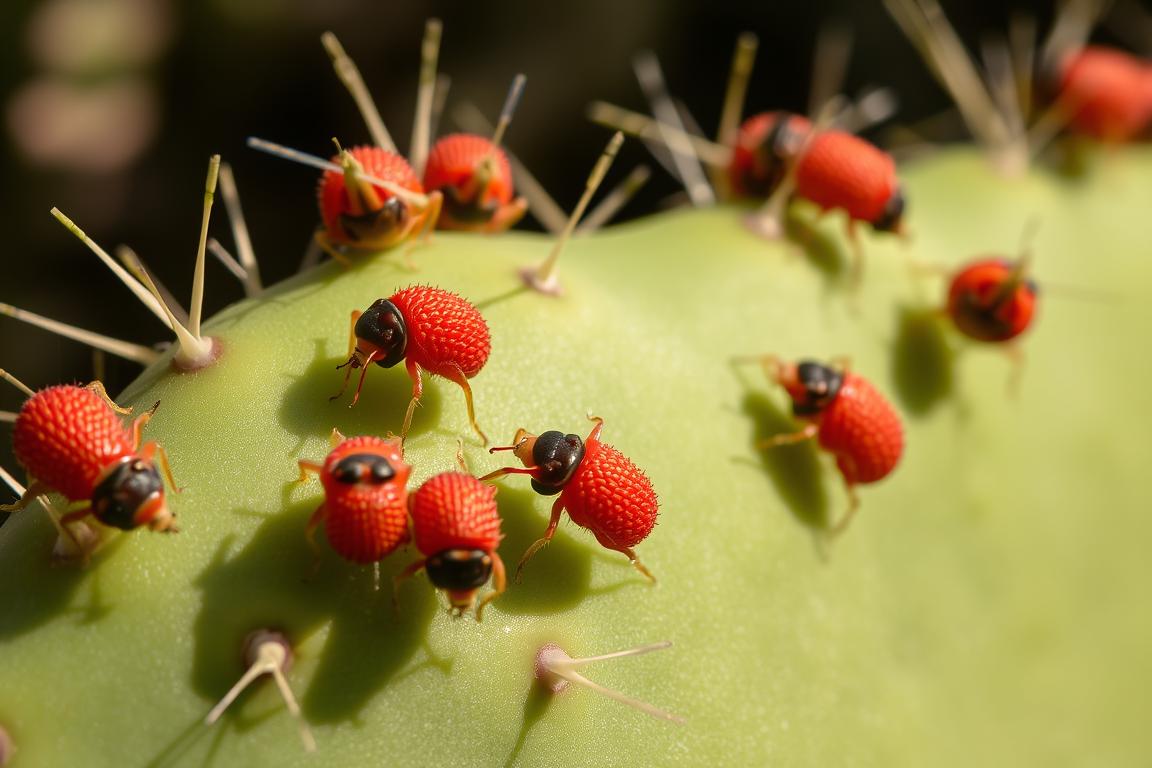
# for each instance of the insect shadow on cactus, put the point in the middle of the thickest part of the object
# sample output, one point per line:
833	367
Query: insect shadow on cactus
923	363
794	470
305	409
536	703
563	582
242	590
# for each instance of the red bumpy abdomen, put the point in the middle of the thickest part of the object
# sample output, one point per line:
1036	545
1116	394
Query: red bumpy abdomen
453	162
332	194
1108	94
611	496
842	171
65	436
455	511
758	165
445	331
863	431
365	522
978	309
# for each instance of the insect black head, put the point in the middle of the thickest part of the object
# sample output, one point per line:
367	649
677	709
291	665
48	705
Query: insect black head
472	210
459	569
382	325
893	214
119	496
771	156
366	468
389	217
821	385
556	456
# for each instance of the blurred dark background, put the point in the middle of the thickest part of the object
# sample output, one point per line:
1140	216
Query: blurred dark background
111	109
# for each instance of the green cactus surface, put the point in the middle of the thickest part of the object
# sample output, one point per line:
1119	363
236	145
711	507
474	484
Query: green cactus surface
987	606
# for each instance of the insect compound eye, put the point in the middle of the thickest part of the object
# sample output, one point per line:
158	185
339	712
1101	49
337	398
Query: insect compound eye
889	220
382	325
117	498
367	468
556	456
821	385
459	569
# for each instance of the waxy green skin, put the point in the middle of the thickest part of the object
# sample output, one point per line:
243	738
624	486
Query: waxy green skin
987	606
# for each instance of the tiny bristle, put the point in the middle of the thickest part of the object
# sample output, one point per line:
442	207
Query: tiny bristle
543	278
16	383
125	349
353	81
688	163
425	92
133	285
244	250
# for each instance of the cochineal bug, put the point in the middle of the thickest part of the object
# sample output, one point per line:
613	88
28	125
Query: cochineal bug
992	299
764	146
456	526
475	178
370	199
841	171
365	509
847	416
599	487
432	330
1104	93
71	441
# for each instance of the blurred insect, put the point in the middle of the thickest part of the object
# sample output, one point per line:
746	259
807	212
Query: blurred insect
365	509
764	145
71	441
992	299
1105	93
473	175
432	330
556	670
266	652
370	199
457	528
599	487
840	171
847	416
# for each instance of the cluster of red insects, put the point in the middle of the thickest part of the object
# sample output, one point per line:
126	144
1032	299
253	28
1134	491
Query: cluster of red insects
71	440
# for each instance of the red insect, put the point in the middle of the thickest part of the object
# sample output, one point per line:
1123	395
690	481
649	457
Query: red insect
1106	93
71	441
365	509
599	487
475	180
992	299
457	528
364	215
765	145
433	330
839	170
849	418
